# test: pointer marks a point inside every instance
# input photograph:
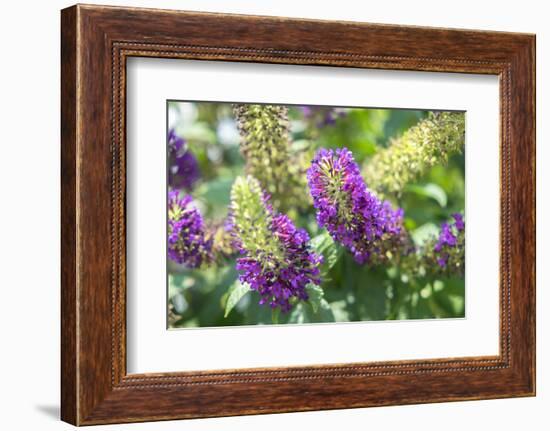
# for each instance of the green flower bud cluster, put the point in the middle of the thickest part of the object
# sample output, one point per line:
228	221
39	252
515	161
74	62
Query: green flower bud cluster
428	143
276	259
251	220
265	144
222	242
443	254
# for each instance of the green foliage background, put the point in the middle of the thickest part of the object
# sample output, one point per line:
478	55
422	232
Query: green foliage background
349	292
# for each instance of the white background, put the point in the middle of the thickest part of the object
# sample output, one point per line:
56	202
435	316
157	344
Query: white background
29	224
151	348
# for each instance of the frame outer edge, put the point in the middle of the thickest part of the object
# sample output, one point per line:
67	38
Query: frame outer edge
88	396
527	62
523	216
533	54
69	286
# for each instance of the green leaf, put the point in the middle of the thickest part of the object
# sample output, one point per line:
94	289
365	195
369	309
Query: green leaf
429	190
216	191
324	245
424	233
321	242
339	311
298	314
316	298
199	131
179	303
235	292
450	296
300	145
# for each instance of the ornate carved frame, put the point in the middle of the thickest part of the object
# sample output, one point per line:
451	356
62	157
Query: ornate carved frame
95	43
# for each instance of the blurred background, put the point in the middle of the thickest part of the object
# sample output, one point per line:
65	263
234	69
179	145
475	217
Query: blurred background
197	297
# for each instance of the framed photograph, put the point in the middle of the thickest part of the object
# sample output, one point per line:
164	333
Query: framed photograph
266	215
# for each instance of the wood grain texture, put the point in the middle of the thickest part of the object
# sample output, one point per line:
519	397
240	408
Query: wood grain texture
96	41
69	397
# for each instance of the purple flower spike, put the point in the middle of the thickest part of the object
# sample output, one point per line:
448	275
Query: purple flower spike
276	259
353	215
459	221
277	282
187	242
183	166
448	250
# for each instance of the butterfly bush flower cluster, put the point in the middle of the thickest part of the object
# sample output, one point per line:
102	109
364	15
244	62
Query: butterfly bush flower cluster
266	146
275	257
428	143
448	250
188	242
370	228
183	170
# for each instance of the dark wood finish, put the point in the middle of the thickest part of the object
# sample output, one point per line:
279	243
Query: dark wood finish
96	41
68	217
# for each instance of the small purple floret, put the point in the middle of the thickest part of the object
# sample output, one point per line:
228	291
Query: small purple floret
459	221
448	239
187	242
183	169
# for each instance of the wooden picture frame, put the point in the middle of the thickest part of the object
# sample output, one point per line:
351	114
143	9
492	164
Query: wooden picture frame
95	43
